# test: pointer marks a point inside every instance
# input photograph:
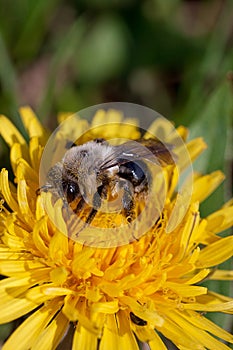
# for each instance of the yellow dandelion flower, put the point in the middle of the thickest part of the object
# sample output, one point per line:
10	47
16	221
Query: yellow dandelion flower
112	297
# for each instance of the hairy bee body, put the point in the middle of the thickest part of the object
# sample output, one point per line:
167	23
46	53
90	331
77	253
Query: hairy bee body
96	171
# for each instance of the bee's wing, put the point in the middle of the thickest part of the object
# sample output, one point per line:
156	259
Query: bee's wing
161	151
151	150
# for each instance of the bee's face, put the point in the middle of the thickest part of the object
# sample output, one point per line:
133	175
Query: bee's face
81	173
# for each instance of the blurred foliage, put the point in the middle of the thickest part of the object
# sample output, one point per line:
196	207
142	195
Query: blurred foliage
173	56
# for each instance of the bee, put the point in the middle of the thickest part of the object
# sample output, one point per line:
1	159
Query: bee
96	170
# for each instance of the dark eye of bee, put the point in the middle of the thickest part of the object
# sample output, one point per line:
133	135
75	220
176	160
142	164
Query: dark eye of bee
71	189
134	172
137	320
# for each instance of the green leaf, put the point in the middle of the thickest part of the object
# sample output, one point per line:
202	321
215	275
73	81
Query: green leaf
213	123
103	52
7	77
36	14
65	52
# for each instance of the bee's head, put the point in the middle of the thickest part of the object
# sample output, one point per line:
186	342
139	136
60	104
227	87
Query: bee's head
79	166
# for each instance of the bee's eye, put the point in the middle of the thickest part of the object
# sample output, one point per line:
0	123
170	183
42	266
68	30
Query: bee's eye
134	172
137	171
71	191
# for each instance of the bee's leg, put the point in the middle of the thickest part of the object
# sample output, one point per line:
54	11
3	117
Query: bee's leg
142	187
127	199
90	217
96	206
79	206
53	182
88	220
74	224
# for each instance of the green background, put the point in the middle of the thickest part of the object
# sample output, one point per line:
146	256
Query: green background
170	55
